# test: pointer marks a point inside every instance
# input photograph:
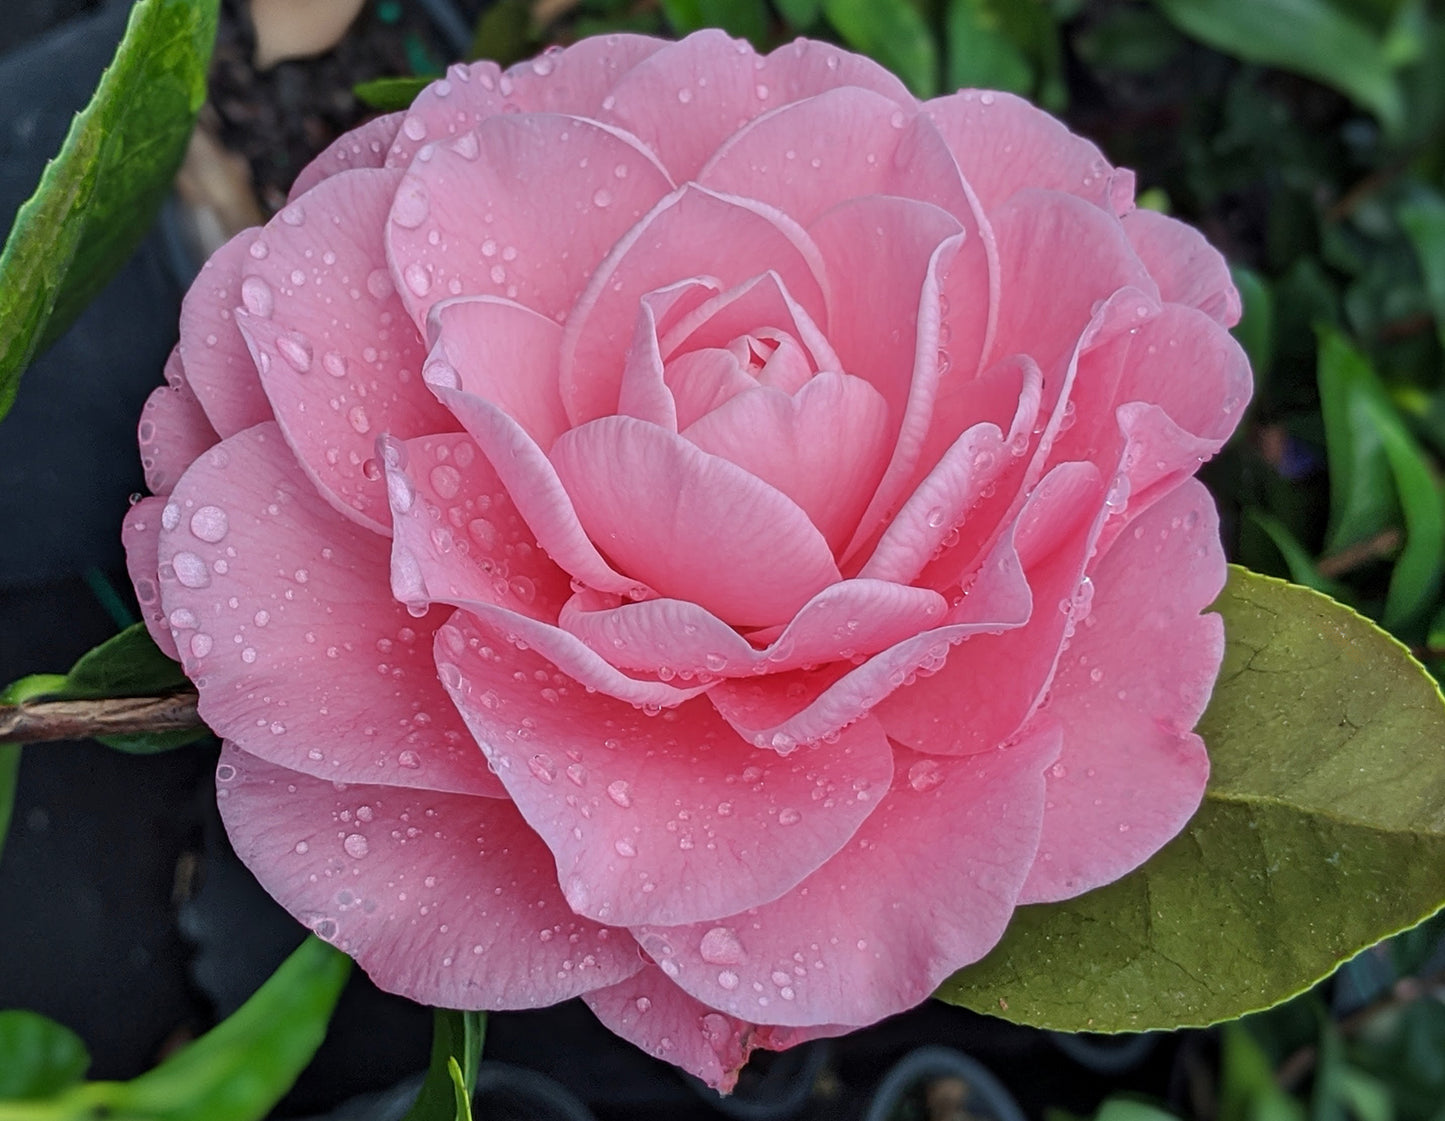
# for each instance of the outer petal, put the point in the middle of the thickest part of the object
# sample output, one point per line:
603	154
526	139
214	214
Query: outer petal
364	146
1136	679
652	1013
504	352
668	818
443	898
1188	269
925	887
656	503
1004	144
686	99
744	239
218	365
456	535
845	620
173	429
1004	676
469	218
338	358
141	535
281	612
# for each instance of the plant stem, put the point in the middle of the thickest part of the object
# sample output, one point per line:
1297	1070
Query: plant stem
43	721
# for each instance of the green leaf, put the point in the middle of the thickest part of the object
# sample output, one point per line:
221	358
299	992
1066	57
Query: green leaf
800	14
1361	492
1310	37
893	33
1255	329
38	1057
244	1065
128	665
9	776
747	19
1301	565
389	94
1322	831
503	33
1247	1090
97	198
1125	1109
981	54
1423	218
456	1045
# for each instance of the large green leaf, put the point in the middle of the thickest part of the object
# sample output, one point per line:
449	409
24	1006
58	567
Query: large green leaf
894	33
1423	218
97	198
1322	831
451	1077
1311	37
38	1057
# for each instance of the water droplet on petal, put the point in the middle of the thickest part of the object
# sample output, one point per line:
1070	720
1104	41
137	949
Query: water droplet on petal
925	775
355	845
721	946
210	523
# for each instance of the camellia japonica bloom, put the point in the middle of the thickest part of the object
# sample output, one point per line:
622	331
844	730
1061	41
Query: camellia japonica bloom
700	531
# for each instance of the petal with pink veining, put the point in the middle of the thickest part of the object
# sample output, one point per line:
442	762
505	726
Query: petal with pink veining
761	304
825	447
470	220
1188	269
644	392
338	358
652	1013
1003	145
443	898
1133	683
744	239
455	528
364	146
140	533
664	819
218	365
846	620
925	887
502	351
282	615
689	97
1006	675
691	525
173	429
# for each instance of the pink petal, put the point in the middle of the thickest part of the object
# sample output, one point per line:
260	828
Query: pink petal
531	482
574	80
1188	269
761	303
783	710
686	99
457	532
443	898
691	525
140	533
338	358
504	352
1003	145
643	392
1056	243
744	239
1135	680
469	218
701	381
173	429
652	1013
847	619
992	683
825	447
282	614
664	819
946	497
364	146
925	887
218	365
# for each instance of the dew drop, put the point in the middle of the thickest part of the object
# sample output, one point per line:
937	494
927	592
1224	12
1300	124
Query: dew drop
411	205
191	571
355	845
721	946
789	817
625	847
210	523
924	775
620	793
257	296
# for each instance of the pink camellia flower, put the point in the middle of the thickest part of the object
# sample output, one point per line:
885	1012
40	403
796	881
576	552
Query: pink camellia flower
704	532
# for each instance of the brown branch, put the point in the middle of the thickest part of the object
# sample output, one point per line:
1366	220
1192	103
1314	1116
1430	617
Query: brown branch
1379	547
43	721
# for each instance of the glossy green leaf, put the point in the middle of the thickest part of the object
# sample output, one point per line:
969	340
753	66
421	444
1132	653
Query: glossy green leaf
97	198
1360	417
747	19
892	32
1315	38
38	1057
389	94
1322	831
456	1045
1423	218
1361	489
981	54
